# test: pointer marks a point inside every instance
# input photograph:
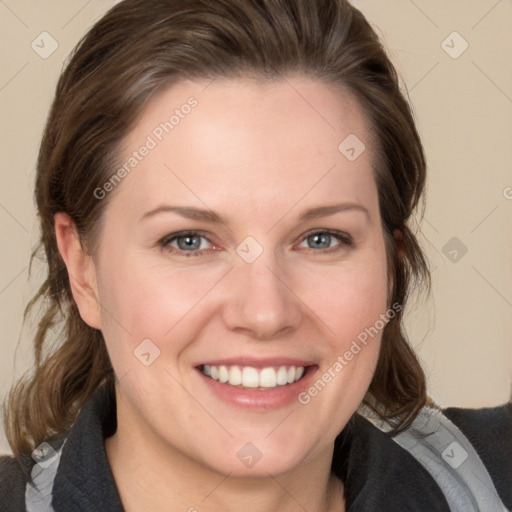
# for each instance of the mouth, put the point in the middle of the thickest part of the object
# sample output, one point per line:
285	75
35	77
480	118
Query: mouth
256	384
252	378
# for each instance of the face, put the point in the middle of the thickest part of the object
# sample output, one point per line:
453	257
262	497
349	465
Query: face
243	244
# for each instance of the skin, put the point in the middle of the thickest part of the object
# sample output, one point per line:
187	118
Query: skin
259	154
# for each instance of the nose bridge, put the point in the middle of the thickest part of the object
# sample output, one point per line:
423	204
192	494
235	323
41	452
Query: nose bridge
262	301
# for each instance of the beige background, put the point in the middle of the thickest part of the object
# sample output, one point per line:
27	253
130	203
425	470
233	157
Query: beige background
464	110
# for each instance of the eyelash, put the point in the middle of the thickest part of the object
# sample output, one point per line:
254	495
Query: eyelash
344	238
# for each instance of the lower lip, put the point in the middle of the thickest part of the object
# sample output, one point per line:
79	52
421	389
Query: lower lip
260	399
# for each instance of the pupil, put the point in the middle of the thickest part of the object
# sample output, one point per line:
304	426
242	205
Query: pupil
190	242
318	238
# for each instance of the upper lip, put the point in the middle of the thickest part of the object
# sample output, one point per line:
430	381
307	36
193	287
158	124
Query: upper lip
258	362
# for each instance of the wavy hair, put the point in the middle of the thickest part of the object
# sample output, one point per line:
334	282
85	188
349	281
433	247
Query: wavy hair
137	49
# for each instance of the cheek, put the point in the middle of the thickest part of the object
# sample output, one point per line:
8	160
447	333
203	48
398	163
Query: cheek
141	300
348	298
161	297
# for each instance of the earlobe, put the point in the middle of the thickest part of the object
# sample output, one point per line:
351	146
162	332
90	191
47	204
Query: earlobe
398	239
81	269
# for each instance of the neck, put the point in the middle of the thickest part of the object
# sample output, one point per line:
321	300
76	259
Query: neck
151	475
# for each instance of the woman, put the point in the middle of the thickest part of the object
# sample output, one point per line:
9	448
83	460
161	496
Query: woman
224	190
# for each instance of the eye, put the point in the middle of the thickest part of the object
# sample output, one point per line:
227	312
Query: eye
323	239
190	243
185	242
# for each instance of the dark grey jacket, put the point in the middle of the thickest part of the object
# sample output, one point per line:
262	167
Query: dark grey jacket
378	474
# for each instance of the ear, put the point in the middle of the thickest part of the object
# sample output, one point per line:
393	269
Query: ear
81	270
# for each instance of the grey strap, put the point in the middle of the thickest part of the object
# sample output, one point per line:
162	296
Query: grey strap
38	491
445	452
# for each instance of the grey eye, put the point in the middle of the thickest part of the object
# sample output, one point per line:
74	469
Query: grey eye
320	240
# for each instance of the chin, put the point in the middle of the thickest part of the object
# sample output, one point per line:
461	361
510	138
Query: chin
245	459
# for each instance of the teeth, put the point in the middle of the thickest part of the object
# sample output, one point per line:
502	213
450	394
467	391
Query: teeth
235	376
249	377
282	376
223	374
268	378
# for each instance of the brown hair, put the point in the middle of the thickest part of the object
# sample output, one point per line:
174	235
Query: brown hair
136	50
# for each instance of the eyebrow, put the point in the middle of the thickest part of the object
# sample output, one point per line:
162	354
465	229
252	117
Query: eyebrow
214	218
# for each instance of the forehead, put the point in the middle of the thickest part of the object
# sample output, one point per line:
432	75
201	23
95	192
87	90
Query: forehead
249	144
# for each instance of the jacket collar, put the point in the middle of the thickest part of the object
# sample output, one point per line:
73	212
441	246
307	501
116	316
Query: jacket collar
84	480
377	473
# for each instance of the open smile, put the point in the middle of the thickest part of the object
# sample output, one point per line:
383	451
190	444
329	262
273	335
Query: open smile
258	385
254	378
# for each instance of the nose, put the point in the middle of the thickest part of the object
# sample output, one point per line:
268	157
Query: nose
262	302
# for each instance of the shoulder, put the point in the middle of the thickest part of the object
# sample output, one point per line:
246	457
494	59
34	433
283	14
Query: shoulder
12	485
486	423
463	456
489	430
